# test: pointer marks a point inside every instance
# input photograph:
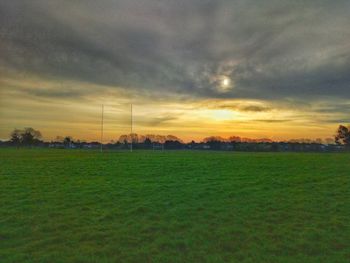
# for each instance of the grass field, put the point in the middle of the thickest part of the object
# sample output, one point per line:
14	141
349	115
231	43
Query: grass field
83	206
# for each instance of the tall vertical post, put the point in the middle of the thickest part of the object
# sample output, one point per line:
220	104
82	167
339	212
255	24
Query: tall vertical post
102	128
131	122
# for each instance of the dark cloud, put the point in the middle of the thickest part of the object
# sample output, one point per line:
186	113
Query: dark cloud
53	93
255	108
242	106
157	121
272	50
272	120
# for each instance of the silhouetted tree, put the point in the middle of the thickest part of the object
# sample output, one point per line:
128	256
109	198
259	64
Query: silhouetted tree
214	144
192	144
343	135
30	136
15	137
214	139
125	143
67	141
172	145
148	143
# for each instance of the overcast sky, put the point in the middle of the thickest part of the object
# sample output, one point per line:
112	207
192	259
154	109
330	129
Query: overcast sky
193	68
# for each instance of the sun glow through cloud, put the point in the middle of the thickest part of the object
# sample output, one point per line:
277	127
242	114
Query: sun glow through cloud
225	82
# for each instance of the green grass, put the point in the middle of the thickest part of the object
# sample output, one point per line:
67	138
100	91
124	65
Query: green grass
83	206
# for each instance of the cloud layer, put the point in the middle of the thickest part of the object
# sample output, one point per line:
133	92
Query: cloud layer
270	49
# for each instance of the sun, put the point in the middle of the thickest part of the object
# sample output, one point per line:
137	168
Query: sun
225	82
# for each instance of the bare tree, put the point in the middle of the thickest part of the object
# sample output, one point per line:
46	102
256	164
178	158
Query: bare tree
67	141
343	135
28	136
15	137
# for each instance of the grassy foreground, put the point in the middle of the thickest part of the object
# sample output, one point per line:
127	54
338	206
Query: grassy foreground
83	206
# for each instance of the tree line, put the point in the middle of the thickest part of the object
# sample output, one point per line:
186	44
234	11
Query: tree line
31	137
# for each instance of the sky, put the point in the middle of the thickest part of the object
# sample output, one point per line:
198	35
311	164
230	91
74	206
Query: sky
191	68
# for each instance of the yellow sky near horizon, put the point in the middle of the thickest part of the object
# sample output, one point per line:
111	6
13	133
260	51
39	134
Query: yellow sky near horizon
80	117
